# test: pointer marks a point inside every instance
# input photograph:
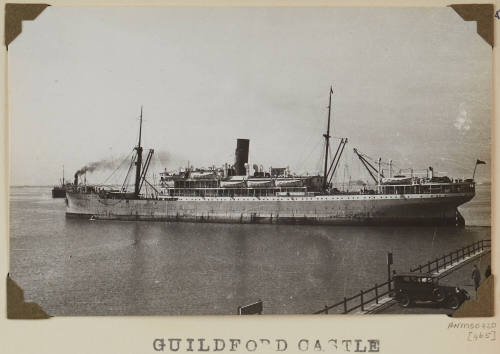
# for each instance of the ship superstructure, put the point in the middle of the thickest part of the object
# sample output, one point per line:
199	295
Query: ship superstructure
241	193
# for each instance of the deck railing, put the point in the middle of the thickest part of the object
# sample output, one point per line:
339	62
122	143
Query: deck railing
453	257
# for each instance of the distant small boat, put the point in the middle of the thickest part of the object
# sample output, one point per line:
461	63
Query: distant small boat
59	191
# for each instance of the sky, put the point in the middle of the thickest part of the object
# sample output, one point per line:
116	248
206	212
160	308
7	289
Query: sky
411	85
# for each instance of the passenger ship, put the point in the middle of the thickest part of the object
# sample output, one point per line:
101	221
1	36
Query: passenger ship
236	194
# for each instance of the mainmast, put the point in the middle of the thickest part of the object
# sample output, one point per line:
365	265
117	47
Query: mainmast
327	140
138	161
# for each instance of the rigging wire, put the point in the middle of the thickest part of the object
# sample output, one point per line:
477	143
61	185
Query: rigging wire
127	177
301	162
119	166
320	161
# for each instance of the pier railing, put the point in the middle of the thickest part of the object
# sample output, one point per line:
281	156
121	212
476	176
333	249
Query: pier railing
360	300
374	294
453	257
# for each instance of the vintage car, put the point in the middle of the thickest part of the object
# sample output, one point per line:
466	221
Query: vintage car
412	287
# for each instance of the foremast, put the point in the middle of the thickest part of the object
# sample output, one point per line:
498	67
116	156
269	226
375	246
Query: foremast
138	161
329	172
327	141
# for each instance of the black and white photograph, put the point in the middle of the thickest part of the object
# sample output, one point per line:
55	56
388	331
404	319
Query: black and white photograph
250	160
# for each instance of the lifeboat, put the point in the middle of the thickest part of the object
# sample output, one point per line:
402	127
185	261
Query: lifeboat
397	180
288	182
202	175
259	183
233	184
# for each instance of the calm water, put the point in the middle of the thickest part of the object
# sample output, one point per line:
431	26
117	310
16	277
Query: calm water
81	267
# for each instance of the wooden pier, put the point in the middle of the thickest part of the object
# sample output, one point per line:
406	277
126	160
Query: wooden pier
376	299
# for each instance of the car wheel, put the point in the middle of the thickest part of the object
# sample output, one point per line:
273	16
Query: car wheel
438	295
404	300
453	302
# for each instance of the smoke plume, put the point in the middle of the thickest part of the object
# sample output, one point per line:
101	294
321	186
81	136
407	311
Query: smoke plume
160	158
163	157
105	164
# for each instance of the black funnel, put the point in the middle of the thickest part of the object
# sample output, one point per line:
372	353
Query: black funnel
241	156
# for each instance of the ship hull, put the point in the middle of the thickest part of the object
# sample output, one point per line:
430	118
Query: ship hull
412	209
